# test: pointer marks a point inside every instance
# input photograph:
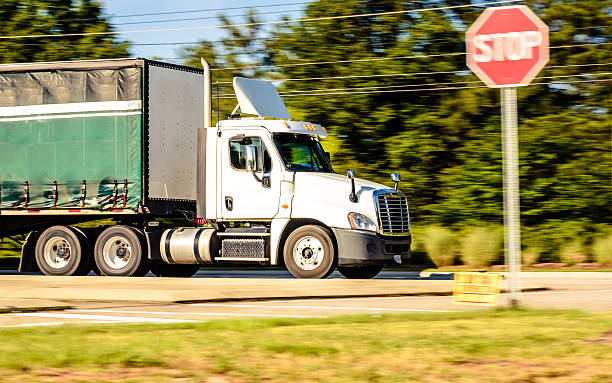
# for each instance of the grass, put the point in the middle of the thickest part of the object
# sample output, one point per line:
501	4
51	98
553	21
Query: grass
500	346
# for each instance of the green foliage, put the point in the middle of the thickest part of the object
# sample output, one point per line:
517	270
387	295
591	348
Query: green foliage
602	250
573	253
530	255
43	17
440	244
480	246
447	143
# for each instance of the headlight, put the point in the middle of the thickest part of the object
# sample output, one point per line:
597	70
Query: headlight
361	222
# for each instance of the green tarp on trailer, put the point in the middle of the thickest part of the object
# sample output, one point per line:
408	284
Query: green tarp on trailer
69	135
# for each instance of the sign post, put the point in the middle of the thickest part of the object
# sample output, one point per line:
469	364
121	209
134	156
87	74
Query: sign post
506	48
512	219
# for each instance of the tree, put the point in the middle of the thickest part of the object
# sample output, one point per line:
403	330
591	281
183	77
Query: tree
448	143
42	17
240	54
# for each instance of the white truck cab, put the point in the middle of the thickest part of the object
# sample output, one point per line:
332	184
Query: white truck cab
271	190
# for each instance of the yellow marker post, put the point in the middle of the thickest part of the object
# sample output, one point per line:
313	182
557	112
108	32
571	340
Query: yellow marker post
480	289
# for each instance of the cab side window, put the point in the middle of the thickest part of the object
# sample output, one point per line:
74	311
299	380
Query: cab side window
237	150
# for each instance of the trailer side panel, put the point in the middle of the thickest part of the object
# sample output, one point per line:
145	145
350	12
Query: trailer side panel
175	104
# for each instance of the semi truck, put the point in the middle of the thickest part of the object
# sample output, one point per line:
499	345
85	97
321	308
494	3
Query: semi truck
128	143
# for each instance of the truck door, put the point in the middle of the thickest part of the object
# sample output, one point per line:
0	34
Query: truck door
243	196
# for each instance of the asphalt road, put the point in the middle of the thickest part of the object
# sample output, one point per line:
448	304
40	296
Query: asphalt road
281	274
589	291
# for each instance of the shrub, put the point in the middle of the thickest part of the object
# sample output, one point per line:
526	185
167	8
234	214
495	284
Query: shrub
531	255
602	250
480	246
439	242
572	253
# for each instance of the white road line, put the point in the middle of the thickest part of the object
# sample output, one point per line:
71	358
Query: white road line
309	307
100	317
194	313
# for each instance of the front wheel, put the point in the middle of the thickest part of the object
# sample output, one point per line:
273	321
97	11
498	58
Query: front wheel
119	252
360	272
309	252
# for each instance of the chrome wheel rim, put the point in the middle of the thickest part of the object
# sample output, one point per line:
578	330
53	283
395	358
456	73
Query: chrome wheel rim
57	252
308	253
117	252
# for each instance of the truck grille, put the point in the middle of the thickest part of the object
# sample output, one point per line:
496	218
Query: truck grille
393	213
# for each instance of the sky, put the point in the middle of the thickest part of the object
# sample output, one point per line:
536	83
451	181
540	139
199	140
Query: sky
119	11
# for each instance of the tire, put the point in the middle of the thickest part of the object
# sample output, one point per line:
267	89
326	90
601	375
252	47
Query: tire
89	250
309	252
119	252
62	250
361	272
162	269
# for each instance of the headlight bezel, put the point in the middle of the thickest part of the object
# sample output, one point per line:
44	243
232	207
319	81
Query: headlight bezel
358	221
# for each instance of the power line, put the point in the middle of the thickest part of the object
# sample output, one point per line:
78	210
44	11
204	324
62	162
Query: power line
208	10
343	61
427	89
579	45
318	91
375	59
204	18
456	72
259	23
575	65
431	84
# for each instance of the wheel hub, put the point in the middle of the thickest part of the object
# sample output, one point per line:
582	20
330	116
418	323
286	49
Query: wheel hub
57	252
308	253
117	252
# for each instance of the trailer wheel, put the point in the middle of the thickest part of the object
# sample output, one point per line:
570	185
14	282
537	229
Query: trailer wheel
360	272
162	269
309	252
119	252
61	250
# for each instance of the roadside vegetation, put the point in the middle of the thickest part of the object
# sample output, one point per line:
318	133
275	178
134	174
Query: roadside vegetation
493	346
424	116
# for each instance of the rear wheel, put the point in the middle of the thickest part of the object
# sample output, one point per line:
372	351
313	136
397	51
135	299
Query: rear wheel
162	269
309	252
360	272
62	250
119	252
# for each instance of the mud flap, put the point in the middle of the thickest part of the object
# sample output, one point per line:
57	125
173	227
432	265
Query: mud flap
27	262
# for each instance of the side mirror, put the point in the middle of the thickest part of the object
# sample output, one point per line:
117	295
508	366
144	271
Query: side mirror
351	175
251	164
251	155
328	156
395	177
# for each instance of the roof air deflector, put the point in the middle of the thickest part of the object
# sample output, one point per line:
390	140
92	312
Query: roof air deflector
260	98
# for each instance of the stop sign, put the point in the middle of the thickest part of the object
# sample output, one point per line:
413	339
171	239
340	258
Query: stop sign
507	46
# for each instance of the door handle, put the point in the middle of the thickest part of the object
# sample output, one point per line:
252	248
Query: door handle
229	203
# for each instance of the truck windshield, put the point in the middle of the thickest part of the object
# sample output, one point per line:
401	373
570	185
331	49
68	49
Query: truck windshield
302	153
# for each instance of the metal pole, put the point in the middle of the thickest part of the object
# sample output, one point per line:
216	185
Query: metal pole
512	223
207	93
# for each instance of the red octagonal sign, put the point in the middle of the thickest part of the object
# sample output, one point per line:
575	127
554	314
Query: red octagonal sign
507	46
